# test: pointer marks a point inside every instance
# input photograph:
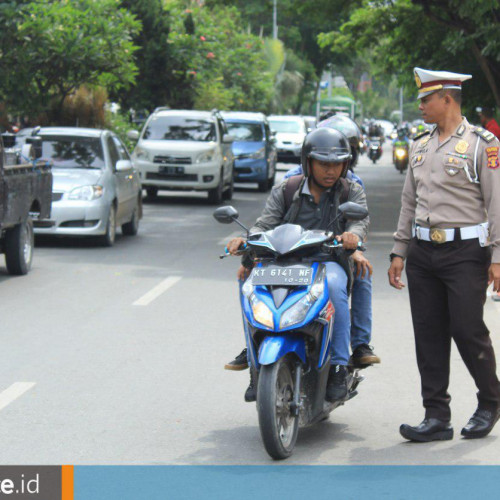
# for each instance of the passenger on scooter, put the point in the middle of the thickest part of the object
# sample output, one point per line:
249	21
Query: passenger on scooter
325	157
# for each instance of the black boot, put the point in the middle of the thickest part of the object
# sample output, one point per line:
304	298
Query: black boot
240	362
336	388
430	429
251	392
480	424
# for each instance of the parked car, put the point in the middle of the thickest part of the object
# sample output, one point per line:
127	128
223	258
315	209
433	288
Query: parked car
25	196
254	148
96	186
290	134
185	150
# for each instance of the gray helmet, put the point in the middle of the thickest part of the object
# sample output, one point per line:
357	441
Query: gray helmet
325	144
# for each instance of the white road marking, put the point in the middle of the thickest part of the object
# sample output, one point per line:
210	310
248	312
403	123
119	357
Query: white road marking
155	292
13	392
243	197
224	241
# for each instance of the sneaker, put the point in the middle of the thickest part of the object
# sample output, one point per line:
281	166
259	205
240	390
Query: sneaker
363	355
336	388
251	392
240	362
495	297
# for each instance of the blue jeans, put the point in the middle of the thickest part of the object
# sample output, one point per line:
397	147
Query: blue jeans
361	311
336	278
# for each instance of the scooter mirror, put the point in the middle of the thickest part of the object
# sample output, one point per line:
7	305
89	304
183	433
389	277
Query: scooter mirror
353	211
226	215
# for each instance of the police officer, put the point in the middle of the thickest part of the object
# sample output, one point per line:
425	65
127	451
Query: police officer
449	234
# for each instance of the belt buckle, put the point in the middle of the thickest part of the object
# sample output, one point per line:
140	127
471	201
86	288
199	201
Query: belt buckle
437	235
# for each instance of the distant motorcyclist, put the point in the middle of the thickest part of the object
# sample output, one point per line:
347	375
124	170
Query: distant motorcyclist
325	160
401	141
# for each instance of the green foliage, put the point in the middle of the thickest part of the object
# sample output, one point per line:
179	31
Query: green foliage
220	54
60	45
448	34
152	58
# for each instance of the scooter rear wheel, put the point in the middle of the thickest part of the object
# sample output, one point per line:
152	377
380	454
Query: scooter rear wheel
278	426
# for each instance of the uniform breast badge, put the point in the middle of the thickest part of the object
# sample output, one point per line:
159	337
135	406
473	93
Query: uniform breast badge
493	161
461	147
438	235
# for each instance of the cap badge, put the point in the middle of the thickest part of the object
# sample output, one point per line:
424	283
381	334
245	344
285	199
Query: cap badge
418	81
462	147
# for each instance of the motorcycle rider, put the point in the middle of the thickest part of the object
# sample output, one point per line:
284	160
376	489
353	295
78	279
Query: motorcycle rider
401	141
325	159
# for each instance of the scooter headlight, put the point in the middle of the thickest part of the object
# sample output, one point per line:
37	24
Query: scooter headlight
400	153
261	313
297	313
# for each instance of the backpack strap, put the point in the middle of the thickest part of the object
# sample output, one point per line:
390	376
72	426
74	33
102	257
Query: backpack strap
344	195
291	187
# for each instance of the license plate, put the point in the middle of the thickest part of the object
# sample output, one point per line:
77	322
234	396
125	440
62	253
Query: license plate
171	170
284	276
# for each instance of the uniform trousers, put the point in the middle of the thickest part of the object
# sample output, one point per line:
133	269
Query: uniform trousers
447	285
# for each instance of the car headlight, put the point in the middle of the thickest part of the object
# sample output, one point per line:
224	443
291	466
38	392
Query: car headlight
297	313
261	313
260	154
86	193
206	156
141	154
298	142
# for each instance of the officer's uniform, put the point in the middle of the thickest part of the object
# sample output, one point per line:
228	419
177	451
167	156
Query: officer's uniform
449	231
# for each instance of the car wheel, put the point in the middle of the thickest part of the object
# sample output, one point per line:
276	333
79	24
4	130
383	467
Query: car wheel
215	194
108	239
131	228
152	192
19	243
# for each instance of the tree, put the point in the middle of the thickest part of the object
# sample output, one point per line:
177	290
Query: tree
58	46
448	34
152	58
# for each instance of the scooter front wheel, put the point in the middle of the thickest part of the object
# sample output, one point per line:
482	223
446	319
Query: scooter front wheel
278	426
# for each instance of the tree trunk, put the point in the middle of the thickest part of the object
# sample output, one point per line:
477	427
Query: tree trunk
483	64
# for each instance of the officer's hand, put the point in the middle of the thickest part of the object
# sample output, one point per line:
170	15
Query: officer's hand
494	276
397	266
363	266
233	246
349	240
243	273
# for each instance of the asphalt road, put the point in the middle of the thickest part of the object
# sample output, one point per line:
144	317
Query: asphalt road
115	355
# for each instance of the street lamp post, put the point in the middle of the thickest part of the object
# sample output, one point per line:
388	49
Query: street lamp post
275	20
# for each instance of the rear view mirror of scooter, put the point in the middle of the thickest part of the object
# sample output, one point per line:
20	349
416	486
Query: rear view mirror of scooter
352	211
226	215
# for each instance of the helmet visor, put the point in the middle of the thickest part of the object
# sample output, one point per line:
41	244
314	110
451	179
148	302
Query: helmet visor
330	155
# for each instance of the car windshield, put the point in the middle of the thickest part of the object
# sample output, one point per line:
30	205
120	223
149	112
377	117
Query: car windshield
247	132
178	128
73	151
286	126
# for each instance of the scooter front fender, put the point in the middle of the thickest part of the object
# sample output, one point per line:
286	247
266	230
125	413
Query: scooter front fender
273	348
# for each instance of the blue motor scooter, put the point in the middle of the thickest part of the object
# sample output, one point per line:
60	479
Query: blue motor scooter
288	321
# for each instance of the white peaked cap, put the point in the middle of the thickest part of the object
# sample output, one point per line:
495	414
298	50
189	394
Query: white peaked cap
430	81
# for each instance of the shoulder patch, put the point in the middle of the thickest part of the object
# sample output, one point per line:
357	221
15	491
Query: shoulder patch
484	134
421	135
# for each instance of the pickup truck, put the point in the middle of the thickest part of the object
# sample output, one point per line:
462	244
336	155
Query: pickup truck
25	193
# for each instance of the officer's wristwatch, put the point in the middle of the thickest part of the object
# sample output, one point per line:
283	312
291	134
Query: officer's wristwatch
392	255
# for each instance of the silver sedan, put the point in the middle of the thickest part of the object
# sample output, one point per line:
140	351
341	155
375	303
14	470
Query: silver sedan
95	185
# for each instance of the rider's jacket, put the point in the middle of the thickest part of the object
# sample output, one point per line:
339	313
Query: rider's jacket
275	213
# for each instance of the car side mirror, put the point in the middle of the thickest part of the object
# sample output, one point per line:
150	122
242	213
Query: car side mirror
227	138
226	215
122	165
36	143
353	211
133	135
